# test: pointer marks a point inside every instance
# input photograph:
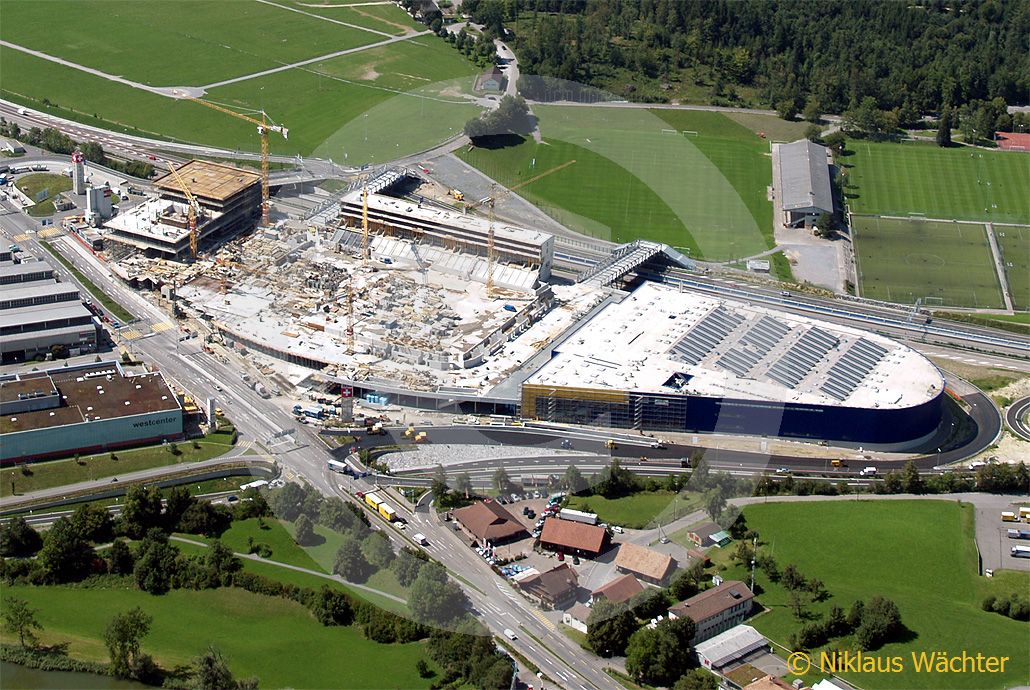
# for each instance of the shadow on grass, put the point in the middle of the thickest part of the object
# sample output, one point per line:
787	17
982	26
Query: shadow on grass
495	142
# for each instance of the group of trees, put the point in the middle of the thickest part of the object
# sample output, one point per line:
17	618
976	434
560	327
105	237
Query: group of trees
511	116
54	140
1016	605
469	653
906	58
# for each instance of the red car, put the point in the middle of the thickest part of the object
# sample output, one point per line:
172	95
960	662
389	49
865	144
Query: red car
359	494
151	156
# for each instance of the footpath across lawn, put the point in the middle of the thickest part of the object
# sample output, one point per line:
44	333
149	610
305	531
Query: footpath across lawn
920	554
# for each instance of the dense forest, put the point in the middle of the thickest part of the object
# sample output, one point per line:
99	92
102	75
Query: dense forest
916	56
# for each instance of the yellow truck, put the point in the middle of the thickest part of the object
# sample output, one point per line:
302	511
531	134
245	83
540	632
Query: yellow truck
1024	514
610	444
421	437
1008	516
387	511
373	500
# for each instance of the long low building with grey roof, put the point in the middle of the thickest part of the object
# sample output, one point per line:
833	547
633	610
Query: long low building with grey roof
804	183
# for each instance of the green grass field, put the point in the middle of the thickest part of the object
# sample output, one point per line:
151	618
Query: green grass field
634	177
159	44
388	17
903	260
32	185
323	104
955	183
1014	244
276	640
640	510
61	472
919	553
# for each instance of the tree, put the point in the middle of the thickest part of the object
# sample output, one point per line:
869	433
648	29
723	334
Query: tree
813	110
377	550
439	484
141	510
331	607
657	655
119	558
836	622
286	502
406	567
501	481
211	672
221	564
463	484
649	604
65	556
350	563
944	128
813	133
123	637
178	501
434	599
699	476
305	531
787	109
881	622
609	628
20	620
573	481
715	502
911	480
156	564
616	481
93	523
836	141
204	517
18	539
697	679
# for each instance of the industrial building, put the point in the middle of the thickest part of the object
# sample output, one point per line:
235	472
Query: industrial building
663	359
229	199
40	317
86	408
803	184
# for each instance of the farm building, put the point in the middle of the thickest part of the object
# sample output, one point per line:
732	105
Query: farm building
708	534
577	617
491	81
488	522
622	588
716	610
803	184
647	564
574	538
672	360
553	589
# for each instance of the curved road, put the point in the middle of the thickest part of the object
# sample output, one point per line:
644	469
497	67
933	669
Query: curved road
1017	418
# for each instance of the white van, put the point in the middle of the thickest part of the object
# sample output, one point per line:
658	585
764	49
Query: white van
420	539
510	634
868	472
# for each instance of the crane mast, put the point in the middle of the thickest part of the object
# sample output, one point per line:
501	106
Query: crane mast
192	213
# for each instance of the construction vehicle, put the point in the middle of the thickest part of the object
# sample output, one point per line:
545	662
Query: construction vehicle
264	126
458	196
409	432
610	444
376	430
194	209
421	437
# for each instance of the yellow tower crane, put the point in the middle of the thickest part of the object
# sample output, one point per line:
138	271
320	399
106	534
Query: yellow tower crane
489	201
192	213
264	126
364	224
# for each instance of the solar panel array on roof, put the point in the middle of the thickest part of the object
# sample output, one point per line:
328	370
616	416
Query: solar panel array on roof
853	366
802	356
756	343
706	335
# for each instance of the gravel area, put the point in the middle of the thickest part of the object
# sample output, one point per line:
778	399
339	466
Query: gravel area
431	455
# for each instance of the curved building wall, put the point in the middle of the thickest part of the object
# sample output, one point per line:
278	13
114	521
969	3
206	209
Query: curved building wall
690	413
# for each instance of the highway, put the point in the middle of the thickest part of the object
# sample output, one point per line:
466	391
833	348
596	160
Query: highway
1017	418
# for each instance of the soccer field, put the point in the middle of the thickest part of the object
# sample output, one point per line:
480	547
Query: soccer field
1015	251
905	260
638	176
959	182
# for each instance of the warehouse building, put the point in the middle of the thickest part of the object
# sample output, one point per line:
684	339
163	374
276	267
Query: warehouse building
403	219
662	359
229	199
803	183
41	317
95	407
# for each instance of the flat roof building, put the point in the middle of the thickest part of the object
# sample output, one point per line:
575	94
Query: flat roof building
85	408
804	182
729	646
462	232
666	359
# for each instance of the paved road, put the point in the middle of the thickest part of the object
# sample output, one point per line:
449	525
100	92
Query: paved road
1018	418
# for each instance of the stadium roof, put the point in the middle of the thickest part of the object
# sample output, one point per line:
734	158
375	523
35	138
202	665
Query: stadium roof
804	177
661	340
209	180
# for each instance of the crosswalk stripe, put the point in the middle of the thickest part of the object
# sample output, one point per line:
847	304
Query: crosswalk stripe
543	619
21	238
50	232
161	327
131	334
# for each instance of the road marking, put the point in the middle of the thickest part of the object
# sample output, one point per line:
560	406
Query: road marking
130	334
162	326
547	623
22	237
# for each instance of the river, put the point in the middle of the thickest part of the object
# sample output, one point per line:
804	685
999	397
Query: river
15	677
